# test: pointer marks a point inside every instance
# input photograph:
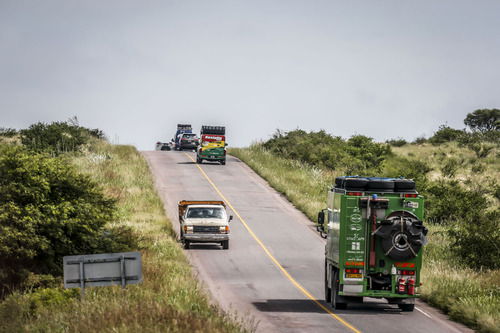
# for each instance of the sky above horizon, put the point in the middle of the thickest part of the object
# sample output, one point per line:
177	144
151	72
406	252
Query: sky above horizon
135	69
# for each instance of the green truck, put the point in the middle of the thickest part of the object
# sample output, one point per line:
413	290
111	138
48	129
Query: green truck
375	238
213	145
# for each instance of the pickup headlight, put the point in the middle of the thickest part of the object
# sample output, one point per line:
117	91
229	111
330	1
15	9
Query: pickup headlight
188	229
224	230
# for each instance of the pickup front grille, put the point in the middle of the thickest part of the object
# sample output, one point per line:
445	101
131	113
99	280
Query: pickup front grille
206	229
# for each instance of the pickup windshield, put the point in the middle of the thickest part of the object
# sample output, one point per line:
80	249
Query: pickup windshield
205	212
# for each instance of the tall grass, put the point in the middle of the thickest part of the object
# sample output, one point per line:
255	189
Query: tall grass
170	298
470	297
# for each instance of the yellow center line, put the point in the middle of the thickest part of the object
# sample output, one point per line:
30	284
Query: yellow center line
273	259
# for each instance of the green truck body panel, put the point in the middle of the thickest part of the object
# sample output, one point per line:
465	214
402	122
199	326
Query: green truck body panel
358	225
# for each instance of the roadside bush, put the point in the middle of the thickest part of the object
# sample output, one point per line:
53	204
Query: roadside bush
411	168
445	134
449	201
476	239
399	142
359	154
47	211
58	137
481	150
7	132
420	140
451	166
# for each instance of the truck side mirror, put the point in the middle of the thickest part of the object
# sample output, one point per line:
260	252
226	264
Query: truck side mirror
321	217
230	217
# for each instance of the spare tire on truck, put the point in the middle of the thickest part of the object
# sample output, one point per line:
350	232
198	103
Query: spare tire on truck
380	184
402	236
402	185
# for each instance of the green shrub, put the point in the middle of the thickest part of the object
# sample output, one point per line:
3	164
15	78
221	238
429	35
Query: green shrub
7	132
411	168
450	167
359	154
420	140
445	134
399	142
449	201
481	150
476	239
478	168
58	137
47	211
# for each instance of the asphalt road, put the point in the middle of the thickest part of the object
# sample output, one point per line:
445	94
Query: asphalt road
272	273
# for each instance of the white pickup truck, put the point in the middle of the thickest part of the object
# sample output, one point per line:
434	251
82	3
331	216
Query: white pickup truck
204	222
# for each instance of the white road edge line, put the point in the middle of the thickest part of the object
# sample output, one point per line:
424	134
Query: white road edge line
423	312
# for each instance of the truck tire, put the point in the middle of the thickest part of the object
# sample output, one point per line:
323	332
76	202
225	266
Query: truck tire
335	291
406	307
223	162
402	185
380	184
225	244
402	237
328	290
198	160
186	244
351	183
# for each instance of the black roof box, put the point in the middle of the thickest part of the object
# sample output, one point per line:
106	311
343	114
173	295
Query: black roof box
375	184
184	127
216	130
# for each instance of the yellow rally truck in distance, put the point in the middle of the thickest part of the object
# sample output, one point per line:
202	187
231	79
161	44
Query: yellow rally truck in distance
204	222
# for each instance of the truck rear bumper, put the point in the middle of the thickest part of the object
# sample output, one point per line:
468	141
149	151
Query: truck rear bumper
212	158
206	238
188	146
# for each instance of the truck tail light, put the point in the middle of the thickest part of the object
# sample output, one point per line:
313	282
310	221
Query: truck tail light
406	272
410	195
356	194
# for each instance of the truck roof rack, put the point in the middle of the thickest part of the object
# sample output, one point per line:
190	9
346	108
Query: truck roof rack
375	184
217	130
184	127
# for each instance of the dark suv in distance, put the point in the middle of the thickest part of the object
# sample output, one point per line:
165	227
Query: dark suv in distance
188	141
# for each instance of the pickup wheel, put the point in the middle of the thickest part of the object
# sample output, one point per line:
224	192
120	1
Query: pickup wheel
406	307
225	244
186	244
335	291
328	290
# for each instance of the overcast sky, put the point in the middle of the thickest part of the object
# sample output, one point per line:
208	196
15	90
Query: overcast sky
135	69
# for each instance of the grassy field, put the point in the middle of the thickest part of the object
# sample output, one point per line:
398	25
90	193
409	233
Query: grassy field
468	296
170	298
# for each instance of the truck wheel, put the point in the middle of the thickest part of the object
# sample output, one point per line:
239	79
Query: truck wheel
328	290
406	307
186	244
225	244
223	162
198	160
335	291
